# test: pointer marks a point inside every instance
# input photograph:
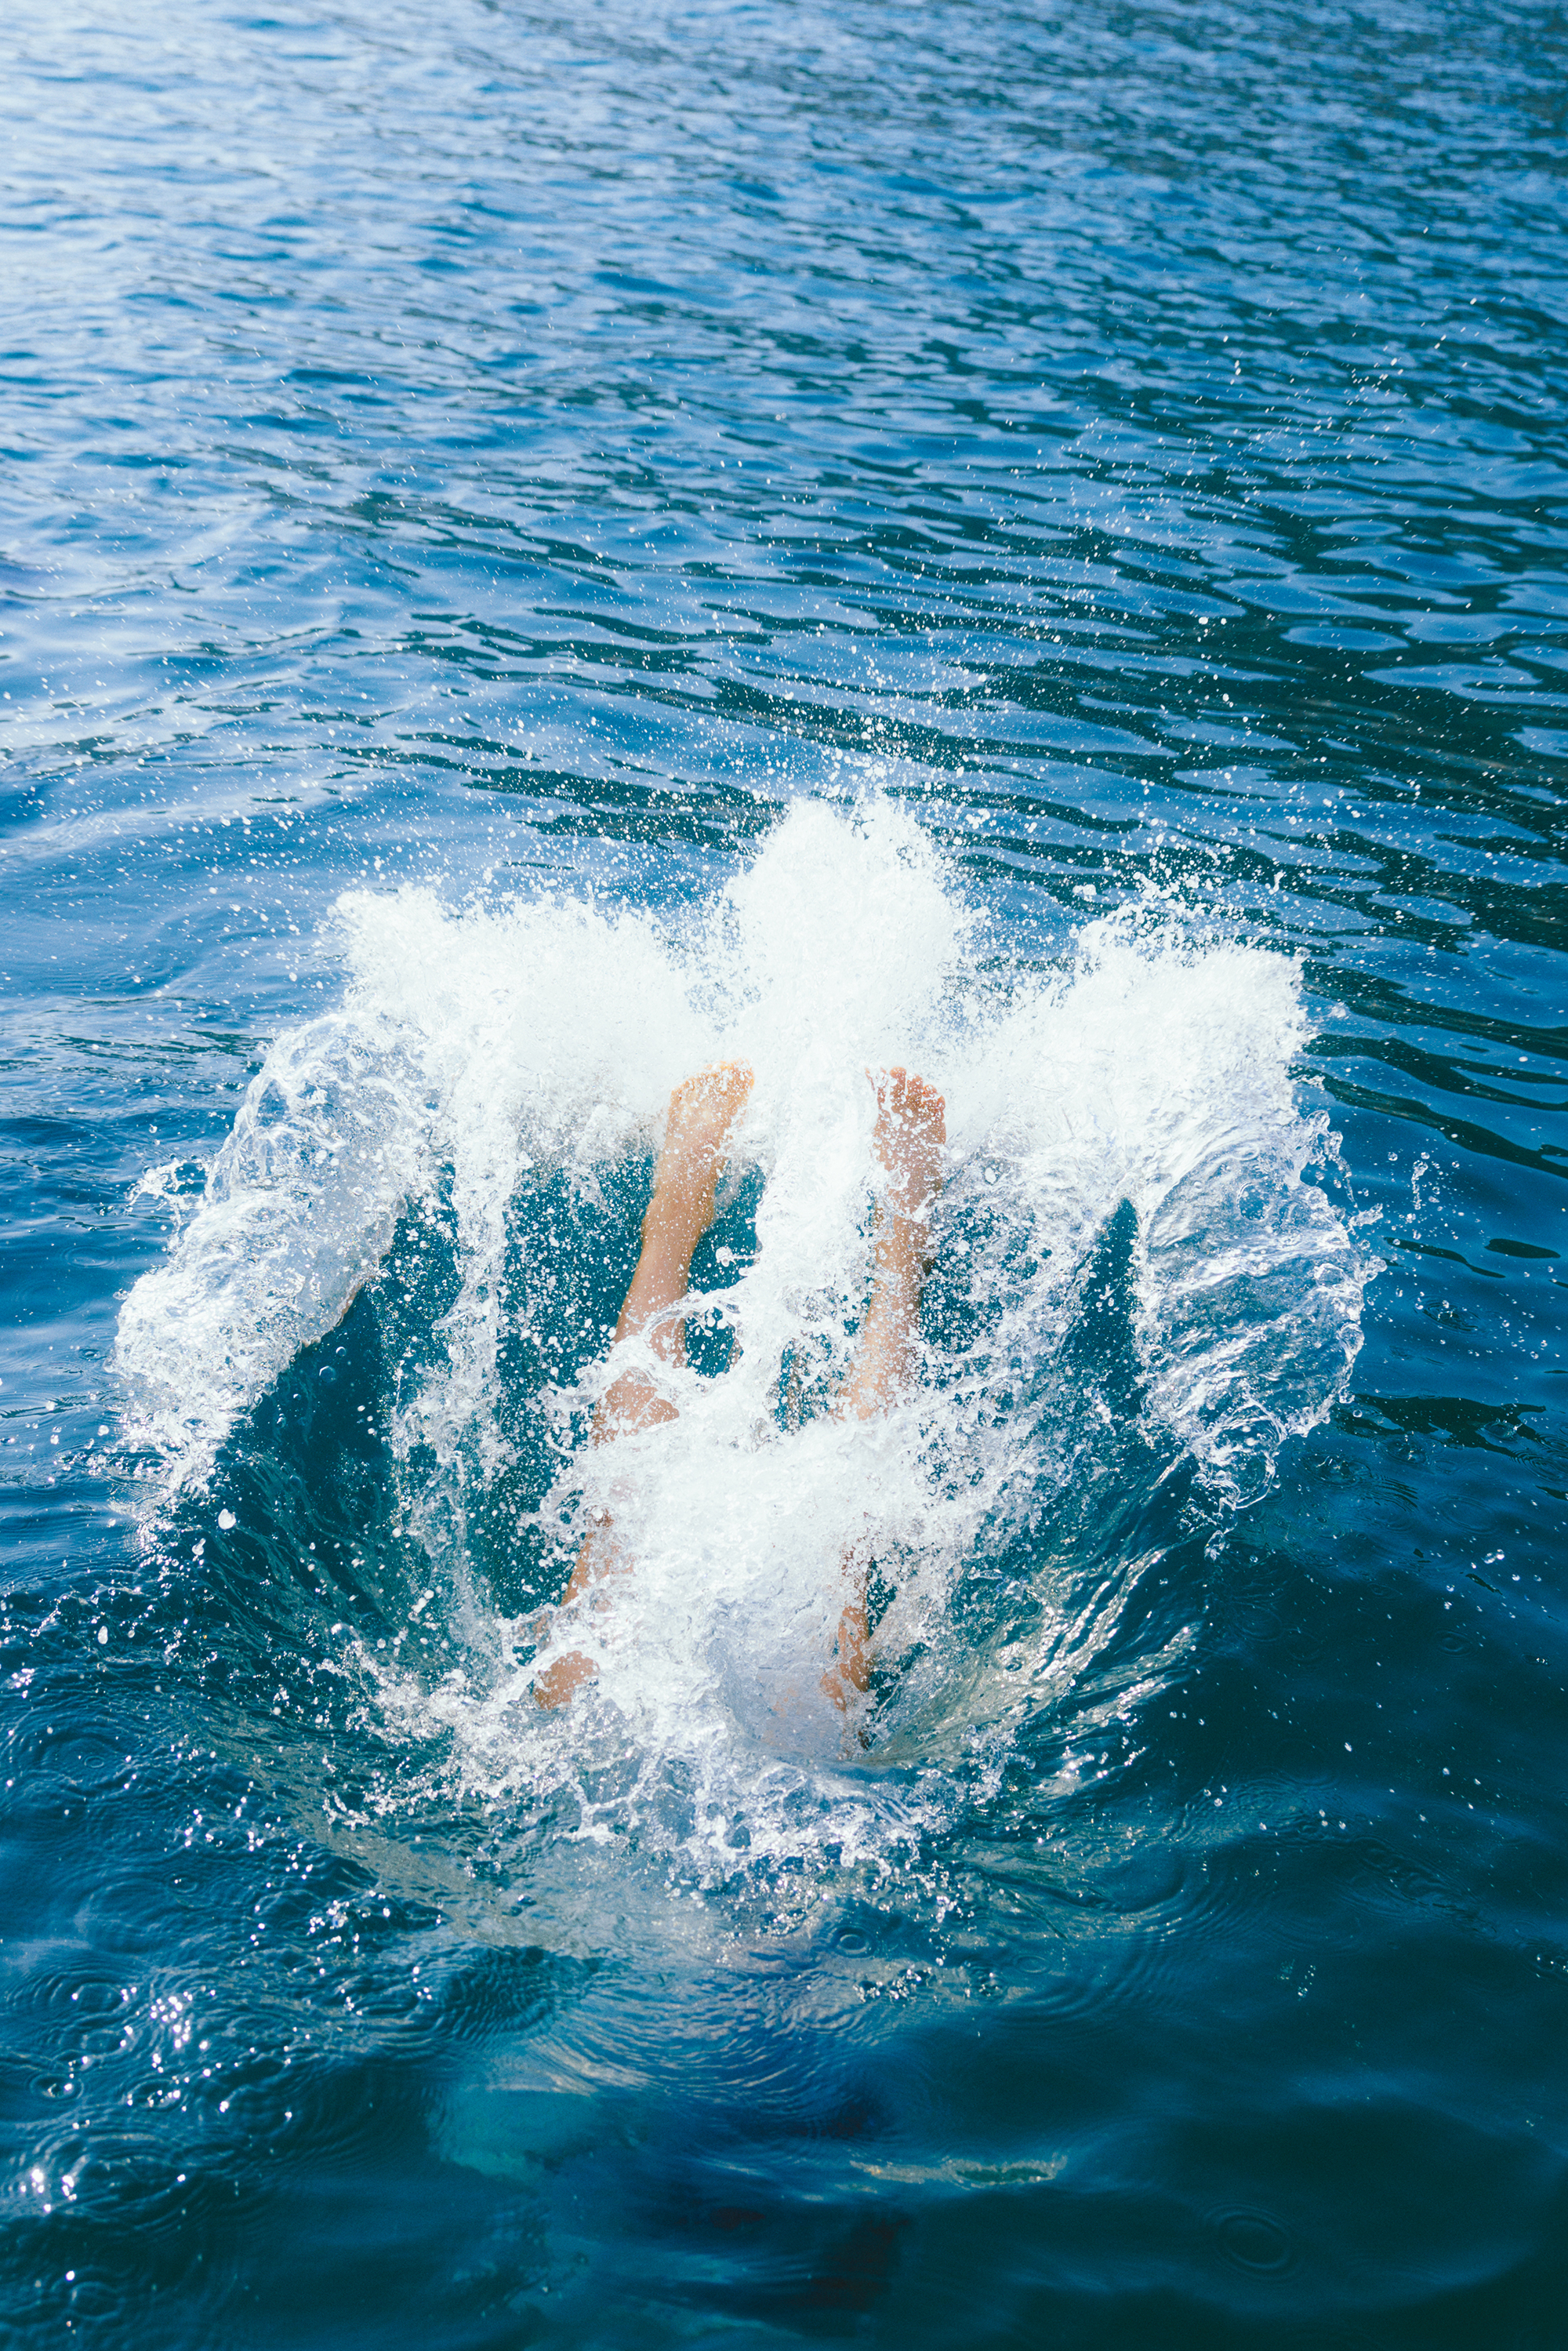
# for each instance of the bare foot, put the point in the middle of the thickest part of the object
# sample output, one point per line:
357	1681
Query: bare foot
703	1112
911	1129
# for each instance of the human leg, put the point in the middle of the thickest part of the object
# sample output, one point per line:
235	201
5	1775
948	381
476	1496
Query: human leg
703	1113
911	1129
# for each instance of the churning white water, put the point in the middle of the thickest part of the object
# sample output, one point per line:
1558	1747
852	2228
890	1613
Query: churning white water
1132	1277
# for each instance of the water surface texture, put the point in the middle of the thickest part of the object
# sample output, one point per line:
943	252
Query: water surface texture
542	549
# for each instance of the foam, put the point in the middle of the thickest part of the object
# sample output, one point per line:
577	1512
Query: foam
478	1050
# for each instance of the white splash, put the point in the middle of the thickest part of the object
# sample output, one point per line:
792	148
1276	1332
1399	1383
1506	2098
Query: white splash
477	1050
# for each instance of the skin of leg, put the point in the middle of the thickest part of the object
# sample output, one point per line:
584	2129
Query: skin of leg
703	1115
911	1129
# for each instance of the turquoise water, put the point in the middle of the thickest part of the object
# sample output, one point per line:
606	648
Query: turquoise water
539	549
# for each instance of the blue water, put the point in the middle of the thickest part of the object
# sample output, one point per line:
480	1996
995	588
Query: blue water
541	545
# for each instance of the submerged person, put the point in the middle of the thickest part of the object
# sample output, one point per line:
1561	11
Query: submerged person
704	1111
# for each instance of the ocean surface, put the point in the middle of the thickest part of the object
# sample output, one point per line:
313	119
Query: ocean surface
543	548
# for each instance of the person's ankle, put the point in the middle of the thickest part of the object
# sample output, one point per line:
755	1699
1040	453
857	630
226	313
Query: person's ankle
904	1242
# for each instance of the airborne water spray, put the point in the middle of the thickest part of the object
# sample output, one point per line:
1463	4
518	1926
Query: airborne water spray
1132	1275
